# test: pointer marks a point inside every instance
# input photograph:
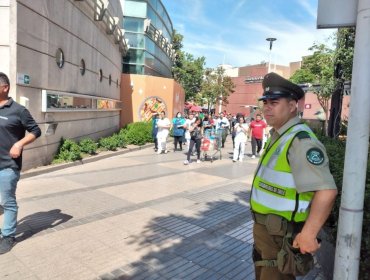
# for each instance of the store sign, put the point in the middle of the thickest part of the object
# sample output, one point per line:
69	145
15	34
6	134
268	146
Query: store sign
23	79
253	80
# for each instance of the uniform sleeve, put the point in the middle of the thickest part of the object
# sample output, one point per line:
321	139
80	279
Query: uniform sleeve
29	123
310	165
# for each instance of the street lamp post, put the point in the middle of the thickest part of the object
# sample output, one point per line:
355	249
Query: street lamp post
271	40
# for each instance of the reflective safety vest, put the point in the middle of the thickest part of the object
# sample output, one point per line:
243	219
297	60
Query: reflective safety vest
274	190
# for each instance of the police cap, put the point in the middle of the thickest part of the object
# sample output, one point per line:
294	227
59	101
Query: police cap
275	86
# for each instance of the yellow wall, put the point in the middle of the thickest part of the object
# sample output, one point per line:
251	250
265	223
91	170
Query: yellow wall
136	89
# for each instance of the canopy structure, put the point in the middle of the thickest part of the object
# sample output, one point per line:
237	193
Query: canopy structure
195	108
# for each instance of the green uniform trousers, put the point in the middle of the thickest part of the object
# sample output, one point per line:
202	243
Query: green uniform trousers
267	247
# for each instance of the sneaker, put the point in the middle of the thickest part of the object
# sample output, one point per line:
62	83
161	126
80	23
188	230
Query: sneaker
234	160
165	151
186	162
198	160
6	244
159	152
253	156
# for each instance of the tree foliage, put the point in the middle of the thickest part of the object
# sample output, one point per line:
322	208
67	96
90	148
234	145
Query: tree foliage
327	69
187	70
216	87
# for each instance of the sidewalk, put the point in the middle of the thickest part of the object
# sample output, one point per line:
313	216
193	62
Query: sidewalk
136	215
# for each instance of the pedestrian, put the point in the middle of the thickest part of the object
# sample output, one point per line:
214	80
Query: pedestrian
240	130
292	192
222	127
155	131
207	124
164	126
15	120
178	123
257	132
195	140
188	122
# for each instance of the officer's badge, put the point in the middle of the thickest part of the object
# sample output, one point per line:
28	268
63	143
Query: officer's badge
315	156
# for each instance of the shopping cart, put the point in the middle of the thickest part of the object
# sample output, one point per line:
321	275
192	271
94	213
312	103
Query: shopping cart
211	144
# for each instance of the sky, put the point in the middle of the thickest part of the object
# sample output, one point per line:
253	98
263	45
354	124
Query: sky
234	31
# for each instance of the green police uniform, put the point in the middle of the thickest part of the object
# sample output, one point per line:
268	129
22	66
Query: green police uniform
293	166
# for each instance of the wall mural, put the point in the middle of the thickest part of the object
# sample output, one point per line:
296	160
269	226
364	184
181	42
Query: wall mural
150	106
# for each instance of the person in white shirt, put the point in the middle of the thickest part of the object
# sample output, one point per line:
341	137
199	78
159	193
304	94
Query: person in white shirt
164	126
241	130
188	122
222	126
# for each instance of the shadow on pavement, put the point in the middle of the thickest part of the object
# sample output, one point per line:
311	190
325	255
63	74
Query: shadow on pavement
40	221
215	243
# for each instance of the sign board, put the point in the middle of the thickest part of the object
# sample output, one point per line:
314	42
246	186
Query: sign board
23	79
336	13
253	80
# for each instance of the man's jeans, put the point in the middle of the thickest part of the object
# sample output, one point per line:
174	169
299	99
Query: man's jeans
8	184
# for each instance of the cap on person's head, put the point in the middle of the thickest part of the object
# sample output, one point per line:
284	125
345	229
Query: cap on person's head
275	86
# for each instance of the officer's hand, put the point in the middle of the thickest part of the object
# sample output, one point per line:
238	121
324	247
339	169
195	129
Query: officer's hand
15	151
306	243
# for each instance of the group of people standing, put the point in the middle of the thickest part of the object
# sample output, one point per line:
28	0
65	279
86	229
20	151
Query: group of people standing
190	130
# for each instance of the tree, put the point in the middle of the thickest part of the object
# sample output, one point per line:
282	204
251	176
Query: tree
343	60
318	69
328	69
216	88
187	70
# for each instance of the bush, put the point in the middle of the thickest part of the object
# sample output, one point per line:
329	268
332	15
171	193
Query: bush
110	143
336	151
138	133
68	151
88	146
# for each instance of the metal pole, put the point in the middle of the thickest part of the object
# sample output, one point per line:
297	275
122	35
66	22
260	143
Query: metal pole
347	254
271	41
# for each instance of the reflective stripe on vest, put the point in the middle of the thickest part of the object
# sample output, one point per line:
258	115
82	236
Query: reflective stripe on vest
274	190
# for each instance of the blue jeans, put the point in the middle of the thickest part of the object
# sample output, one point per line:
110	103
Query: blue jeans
8	185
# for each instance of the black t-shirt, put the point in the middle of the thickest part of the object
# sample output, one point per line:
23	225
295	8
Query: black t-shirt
15	120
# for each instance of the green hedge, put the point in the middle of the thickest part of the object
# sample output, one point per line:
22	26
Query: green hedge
68	150
138	133
336	152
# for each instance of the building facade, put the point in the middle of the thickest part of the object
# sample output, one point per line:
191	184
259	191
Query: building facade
148	29
63	58
248	88
147	84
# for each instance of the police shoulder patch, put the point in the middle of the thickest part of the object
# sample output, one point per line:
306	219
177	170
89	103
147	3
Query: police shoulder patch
315	156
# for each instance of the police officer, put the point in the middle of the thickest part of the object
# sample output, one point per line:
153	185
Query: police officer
293	191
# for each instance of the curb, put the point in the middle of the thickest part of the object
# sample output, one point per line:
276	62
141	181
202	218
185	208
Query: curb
50	168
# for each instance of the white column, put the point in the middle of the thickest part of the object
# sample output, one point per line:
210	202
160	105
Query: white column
347	254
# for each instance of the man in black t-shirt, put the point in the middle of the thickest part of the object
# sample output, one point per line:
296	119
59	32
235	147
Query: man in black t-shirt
15	120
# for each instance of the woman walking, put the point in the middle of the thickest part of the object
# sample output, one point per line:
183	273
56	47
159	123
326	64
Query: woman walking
241	130
178	123
195	139
164	126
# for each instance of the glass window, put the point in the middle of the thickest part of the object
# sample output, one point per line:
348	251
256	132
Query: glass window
59	58
136	56
135	9
133	24
153	3
59	101
150	45
153	16
135	40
